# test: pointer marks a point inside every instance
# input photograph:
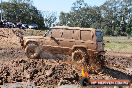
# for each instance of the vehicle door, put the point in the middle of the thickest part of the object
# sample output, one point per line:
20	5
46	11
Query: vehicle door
52	41
67	41
87	39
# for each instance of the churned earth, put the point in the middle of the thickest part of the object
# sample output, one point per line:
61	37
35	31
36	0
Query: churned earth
51	70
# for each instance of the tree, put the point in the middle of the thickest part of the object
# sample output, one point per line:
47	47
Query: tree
81	15
22	10
114	16
78	5
49	18
64	18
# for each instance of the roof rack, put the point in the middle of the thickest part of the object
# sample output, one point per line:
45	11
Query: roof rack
70	28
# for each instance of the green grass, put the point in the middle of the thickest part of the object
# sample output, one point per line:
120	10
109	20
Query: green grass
118	47
118	44
118	39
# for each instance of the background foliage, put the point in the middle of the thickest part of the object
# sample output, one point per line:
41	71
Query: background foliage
23	11
114	16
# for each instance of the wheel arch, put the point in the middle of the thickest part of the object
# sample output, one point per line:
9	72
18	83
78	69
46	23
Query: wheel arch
79	47
33	42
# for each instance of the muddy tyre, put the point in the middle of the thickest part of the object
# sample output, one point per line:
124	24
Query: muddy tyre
32	51
102	60
80	56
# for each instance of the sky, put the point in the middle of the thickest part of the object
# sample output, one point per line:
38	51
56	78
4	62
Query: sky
61	5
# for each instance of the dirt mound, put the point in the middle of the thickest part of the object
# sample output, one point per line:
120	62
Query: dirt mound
10	43
40	72
44	72
10	37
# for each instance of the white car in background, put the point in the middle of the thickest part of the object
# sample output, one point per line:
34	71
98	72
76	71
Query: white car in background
10	25
33	26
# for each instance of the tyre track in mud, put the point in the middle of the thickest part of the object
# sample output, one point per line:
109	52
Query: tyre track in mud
117	74
113	72
119	67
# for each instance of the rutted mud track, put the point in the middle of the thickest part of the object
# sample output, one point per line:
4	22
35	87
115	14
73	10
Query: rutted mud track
121	66
52	69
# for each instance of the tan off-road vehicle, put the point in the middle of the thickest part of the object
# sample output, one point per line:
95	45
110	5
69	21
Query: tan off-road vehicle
83	44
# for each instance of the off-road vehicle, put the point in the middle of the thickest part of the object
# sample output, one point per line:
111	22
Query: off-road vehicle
83	44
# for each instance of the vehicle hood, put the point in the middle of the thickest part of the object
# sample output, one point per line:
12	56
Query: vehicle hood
33	37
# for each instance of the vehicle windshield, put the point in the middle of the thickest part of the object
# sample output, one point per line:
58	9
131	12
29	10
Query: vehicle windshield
99	36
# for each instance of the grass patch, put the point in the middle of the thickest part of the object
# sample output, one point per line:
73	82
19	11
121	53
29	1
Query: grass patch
118	44
118	47
118	39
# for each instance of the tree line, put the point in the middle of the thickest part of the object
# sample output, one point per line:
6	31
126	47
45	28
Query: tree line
114	17
24	11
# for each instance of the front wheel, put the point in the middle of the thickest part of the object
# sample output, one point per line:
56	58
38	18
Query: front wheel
32	51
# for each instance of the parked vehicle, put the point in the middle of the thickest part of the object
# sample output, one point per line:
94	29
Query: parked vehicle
9	25
19	25
33	26
24	26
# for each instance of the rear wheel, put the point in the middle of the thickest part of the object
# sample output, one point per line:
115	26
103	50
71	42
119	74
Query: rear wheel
80	56
101	60
32	51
